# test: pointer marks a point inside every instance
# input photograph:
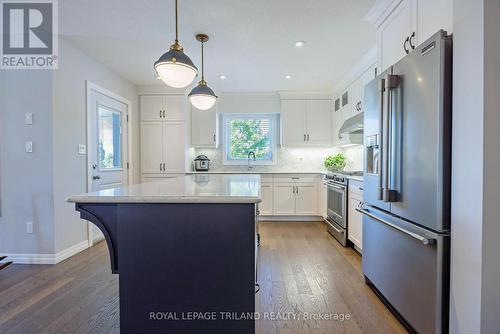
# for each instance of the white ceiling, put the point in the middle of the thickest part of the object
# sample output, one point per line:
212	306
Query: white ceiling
251	41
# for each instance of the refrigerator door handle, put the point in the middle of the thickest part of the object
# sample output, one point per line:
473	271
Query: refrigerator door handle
381	89
423	240
391	82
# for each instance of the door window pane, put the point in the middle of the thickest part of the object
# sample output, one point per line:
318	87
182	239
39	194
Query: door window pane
110	138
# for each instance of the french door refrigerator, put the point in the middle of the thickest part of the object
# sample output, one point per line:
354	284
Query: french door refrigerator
406	209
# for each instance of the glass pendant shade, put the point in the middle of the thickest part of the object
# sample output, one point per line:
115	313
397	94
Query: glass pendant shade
176	69
202	97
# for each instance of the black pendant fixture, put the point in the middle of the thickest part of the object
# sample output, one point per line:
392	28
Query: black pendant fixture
174	67
202	97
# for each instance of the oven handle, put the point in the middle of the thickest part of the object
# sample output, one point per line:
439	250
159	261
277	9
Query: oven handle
334	186
424	240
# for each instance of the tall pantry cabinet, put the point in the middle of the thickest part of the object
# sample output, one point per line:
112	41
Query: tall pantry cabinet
162	130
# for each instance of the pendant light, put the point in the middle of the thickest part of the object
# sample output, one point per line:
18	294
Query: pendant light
202	97
174	67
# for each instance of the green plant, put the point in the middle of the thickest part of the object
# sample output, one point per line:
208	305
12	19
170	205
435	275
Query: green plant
335	162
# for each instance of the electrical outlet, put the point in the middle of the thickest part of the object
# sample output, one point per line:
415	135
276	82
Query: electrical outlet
29	146
29	227
28	118
82	149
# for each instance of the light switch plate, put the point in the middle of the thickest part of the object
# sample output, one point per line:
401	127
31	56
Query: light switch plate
82	149
29	146
28	118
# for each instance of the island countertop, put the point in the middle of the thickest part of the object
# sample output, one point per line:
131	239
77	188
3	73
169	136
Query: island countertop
230	188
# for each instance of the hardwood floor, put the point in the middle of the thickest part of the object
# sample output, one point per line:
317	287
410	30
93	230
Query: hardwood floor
301	269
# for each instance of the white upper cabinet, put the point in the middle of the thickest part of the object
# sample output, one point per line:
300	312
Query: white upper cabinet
294	118
403	24
204	127
319	116
306	122
162	107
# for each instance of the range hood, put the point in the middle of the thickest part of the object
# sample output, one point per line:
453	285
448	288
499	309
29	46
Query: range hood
351	132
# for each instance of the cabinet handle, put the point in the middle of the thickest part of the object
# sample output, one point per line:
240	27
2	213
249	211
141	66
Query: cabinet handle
164	167
407	40
160	166
412	45
304	137
163	113
160	113
214	138
307	137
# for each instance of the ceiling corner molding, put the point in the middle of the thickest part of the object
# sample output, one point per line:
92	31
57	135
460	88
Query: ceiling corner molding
304	95
381	10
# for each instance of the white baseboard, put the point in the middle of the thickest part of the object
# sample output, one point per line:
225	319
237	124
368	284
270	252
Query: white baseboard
291	219
48	258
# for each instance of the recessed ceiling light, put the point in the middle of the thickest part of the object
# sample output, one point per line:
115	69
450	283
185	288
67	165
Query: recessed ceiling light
300	44
222	77
288	76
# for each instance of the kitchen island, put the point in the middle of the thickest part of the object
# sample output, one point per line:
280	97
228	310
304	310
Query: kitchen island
184	249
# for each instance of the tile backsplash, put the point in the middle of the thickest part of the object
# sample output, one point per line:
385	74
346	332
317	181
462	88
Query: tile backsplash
290	159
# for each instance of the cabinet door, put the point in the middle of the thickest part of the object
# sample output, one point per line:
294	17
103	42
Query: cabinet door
266	206
284	199
151	146
174	106
432	16
355	220
293	116
356	92
322	205
393	33
338	119
174	147
306	199
204	127
319	122
151	108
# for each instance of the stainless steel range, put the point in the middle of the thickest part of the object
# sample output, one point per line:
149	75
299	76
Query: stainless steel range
336	221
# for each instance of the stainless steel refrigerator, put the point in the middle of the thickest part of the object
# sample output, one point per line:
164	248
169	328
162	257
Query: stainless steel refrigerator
406	209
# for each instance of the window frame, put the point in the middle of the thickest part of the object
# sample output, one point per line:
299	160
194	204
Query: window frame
226	138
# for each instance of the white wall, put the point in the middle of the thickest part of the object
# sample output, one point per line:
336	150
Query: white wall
69	117
475	260
26	178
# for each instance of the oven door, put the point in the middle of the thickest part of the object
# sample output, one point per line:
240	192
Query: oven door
337	201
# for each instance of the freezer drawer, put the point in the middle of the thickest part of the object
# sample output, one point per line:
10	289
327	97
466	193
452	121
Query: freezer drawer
409	266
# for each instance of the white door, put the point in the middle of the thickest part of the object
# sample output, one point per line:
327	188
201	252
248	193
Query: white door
107	146
294	118
174	106
174	147
307	199
266	206
152	147
151	108
319	122
393	34
204	127
284	199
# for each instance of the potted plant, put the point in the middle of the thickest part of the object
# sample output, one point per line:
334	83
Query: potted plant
335	162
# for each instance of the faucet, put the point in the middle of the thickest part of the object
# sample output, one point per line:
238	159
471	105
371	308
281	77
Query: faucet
250	154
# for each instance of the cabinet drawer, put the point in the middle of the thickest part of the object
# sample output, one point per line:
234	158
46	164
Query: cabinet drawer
356	187
287	178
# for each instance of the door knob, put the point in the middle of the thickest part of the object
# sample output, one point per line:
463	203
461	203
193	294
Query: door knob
96	177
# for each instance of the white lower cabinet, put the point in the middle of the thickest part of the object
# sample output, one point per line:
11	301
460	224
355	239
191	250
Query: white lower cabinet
355	219
284	199
266	193
306	202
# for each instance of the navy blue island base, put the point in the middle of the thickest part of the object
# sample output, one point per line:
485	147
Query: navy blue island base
183	267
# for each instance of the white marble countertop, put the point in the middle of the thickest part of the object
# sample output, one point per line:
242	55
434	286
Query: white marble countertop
233	188
257	172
